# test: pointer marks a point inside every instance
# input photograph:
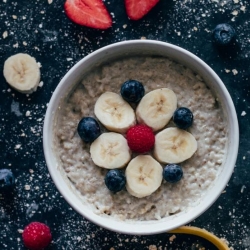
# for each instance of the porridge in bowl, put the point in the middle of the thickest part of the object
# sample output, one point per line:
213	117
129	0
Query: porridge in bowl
200	171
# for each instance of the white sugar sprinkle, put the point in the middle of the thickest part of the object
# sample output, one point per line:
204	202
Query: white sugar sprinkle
235	72
5	34
243	113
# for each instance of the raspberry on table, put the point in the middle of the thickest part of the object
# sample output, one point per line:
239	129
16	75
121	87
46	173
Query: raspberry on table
140	138
36	236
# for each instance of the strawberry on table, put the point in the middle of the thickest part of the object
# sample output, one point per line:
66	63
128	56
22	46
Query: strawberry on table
136	9
90	13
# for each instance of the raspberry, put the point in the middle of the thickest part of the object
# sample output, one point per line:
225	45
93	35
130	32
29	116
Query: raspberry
36	236
140	138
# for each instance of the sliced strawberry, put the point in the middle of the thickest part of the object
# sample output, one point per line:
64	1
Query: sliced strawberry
136	9
90	13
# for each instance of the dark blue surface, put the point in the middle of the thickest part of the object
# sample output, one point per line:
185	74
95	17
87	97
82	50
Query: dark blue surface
43	31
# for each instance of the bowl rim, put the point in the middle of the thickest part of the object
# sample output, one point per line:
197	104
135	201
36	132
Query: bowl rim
147	227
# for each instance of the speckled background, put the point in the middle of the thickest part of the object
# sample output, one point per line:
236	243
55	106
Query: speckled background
40	28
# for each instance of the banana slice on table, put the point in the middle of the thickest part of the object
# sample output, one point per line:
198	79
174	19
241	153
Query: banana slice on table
21	71
114	113
174	145
156	108
143	175
110	150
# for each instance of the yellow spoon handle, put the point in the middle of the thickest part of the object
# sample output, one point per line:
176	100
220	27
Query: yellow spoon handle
202	233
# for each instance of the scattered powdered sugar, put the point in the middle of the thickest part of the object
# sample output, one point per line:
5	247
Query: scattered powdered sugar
243	113
5	34
42	29
15	108
235	72
41	84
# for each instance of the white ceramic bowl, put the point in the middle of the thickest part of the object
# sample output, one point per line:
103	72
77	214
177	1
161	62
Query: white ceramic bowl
138	47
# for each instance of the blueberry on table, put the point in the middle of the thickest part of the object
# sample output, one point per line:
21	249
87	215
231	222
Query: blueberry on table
183	118
224	34
115	180
132	91
88	129
172	173
7	179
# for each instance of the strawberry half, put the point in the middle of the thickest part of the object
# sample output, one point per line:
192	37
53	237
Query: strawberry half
136	9
90	13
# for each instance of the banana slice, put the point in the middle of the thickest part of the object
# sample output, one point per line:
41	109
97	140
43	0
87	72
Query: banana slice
143	175
110	150
156	108
21	71
114	113
173	145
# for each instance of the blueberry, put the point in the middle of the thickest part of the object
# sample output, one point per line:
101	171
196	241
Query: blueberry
88	129
224	34
132	91
115	180
172	173
7	179
183	118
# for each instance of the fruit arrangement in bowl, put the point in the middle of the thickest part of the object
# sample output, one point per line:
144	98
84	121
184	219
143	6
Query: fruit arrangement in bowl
139	134
113	150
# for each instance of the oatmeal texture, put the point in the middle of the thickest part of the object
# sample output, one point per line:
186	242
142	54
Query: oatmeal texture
200	171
